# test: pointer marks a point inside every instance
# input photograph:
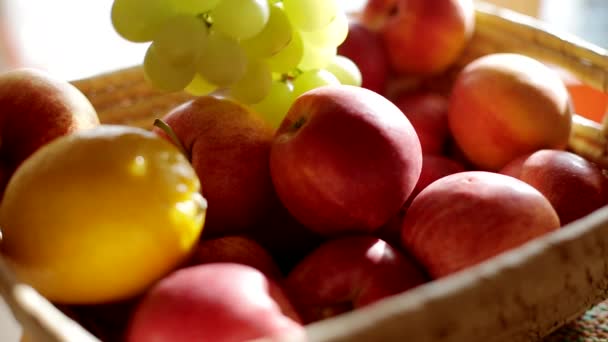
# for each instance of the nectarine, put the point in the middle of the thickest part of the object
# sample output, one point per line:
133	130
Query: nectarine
505	105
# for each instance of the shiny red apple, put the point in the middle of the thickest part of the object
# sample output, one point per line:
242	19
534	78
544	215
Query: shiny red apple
344	160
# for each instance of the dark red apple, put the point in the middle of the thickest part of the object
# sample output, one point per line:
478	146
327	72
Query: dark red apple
348	273
238	249
366	49
574	186
428	113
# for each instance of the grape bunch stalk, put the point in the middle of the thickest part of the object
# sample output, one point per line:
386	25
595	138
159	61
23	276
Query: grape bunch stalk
261	53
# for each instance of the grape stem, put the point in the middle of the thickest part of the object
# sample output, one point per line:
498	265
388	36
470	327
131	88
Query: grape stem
206	18
169	131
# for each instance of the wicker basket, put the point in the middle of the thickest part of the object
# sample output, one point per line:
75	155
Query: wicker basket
521	295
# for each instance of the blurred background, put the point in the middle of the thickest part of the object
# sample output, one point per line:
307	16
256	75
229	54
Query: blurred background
74	39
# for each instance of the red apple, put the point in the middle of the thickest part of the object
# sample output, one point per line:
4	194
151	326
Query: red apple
366	49
574	186
229	147
422	37
428	113
344	159
433	168
35	108
505	105
348	273
213	302
465	218
238	249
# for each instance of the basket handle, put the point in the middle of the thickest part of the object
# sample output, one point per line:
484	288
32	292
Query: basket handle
39	318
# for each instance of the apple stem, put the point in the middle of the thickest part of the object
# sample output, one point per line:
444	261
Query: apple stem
298	123
169	131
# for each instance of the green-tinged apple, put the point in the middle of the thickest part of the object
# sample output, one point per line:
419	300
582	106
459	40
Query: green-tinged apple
348	273
422	37
574	186
213	302
505	105
434	167
228	146
238	249
428	113
35	108
344	160
366	49
465	218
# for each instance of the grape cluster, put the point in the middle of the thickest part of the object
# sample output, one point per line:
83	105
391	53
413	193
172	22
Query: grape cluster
262	53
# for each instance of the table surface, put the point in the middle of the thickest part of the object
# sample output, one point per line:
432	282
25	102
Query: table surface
74	39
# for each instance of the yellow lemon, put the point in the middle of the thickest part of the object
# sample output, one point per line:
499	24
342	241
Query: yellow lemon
100	215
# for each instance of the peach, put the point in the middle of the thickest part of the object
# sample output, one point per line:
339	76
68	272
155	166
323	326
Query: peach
229	147
422	37
468	217
505	105
574	186
35	108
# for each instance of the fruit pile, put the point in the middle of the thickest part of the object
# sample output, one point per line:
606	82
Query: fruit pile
261	53
231	222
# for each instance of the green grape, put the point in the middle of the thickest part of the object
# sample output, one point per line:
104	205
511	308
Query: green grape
181	39
315	57
240	19
200	86
277	76
345	70
310	15
164	75
333	34
194	7
276	104
275	35
312	79
289	57
138	20
254	85
222	61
